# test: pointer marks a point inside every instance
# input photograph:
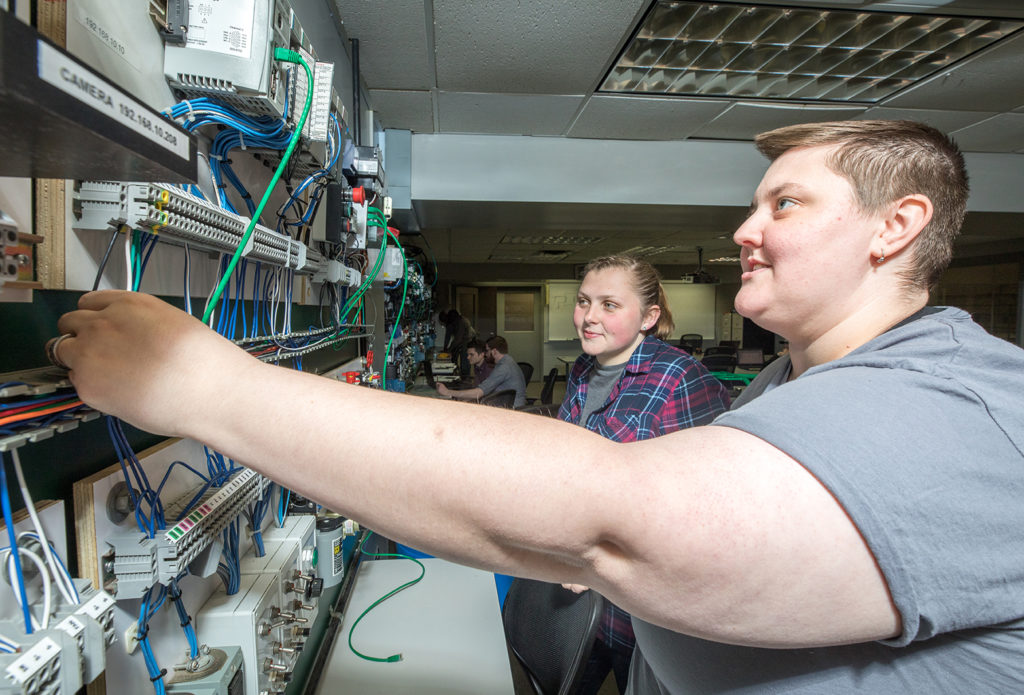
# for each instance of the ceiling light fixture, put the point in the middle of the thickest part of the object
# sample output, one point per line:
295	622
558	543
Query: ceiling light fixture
550	240
751	51
644	251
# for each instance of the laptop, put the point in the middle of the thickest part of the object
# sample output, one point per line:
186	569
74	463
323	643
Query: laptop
750	358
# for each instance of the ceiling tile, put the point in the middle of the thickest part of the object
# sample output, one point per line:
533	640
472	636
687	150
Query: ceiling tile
744	120
406	110
392	42
1001	133
528	46
526	114
946	121
992	81
643	118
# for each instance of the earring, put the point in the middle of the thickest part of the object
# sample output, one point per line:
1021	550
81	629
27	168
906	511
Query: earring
643	327
881	259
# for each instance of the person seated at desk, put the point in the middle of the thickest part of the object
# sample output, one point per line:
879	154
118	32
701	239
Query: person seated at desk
476	353
506	375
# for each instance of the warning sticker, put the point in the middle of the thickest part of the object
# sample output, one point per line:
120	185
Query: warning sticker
338	566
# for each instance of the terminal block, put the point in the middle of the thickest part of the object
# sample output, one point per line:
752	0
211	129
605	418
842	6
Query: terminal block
179	216
336	272
49	664
8	243
140	562
83	631
36	671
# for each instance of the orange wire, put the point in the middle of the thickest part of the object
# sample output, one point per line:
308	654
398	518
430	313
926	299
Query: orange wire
29	416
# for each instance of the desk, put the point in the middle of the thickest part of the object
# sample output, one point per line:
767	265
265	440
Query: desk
447	628
568	361
730	376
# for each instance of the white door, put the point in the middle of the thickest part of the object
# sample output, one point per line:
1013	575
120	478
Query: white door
519	322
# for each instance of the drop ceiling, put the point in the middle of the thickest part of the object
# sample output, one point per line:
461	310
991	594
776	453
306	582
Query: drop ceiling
536	67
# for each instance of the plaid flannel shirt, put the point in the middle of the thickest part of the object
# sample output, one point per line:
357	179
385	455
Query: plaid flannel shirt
662	389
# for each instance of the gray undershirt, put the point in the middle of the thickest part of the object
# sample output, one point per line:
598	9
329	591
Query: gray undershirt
601	382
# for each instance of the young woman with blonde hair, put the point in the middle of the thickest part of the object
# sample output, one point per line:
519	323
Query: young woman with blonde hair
630	385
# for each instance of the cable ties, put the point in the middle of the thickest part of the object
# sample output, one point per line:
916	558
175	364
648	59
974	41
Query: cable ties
154	679
187	622
241	139
191	113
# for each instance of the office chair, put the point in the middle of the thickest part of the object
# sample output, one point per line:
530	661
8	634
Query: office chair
548	392
694	339
500	399
734	344
546	409
551	631
720	350
687	348
720	362
527	369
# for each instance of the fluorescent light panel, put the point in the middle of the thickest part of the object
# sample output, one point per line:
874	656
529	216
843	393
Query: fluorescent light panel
550	240
644	251
790	53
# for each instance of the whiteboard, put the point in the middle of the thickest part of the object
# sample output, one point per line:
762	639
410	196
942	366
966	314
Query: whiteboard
692	307
560	301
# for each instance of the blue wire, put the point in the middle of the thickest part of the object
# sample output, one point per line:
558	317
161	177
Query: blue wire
5	504
140	517
174	592
146	612
167	474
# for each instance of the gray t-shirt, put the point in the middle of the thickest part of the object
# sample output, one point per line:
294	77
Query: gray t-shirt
599	386
506	375
919	434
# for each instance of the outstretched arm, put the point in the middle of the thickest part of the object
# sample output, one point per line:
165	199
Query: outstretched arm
717	533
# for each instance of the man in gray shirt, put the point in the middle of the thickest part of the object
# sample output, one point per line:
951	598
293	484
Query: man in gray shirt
505	376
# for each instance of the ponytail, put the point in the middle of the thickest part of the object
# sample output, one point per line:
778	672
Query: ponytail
664	327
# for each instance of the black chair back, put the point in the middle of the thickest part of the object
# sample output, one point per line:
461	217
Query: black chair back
694	339
500	399
720	362
545	409
720	350
551	631
527	369
548	392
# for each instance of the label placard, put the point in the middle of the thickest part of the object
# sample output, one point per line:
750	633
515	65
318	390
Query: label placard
71	78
